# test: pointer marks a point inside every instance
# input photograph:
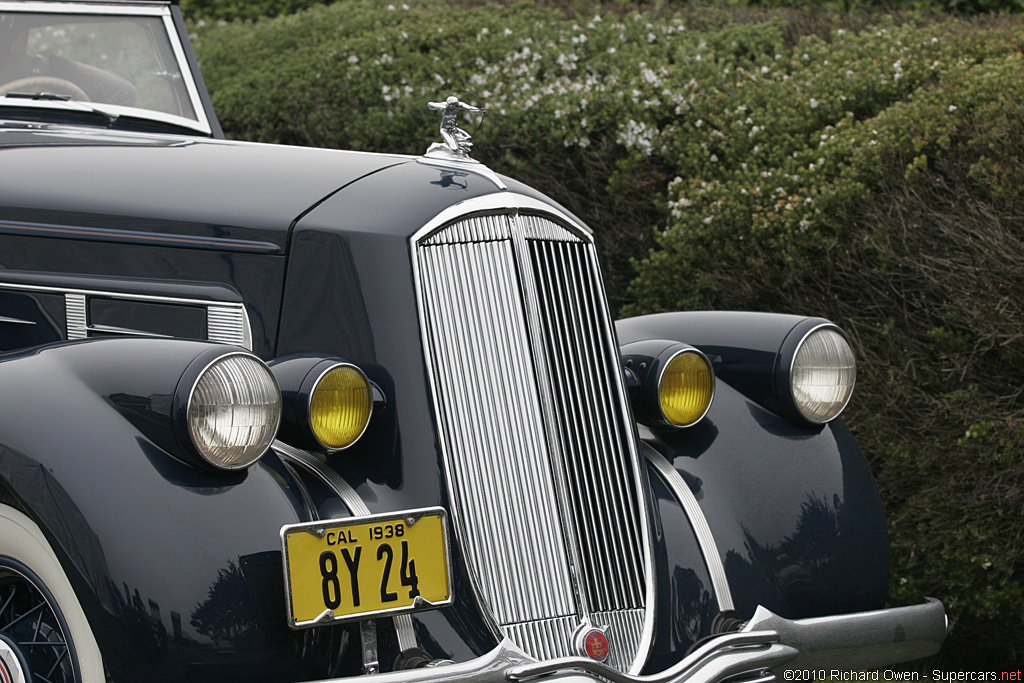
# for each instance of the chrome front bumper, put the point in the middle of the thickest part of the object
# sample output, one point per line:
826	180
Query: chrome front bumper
767	647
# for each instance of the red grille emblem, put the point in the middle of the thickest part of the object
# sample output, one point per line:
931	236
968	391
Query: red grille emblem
595	644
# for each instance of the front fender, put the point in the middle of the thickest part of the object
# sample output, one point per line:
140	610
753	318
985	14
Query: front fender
791	518
167	559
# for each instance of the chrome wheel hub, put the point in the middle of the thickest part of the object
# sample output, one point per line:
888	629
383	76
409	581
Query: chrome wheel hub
33	646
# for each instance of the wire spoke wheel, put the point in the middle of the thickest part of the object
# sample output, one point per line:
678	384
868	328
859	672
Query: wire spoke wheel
33	628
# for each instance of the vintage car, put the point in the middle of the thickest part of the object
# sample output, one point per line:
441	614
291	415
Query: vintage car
273	413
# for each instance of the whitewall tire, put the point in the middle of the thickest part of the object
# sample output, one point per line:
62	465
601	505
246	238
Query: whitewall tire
27	562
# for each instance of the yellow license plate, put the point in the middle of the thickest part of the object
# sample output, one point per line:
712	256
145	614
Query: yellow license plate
358	567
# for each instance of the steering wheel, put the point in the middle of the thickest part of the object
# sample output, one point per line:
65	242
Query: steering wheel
58	86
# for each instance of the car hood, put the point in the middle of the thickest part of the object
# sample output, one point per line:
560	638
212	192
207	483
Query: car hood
59	175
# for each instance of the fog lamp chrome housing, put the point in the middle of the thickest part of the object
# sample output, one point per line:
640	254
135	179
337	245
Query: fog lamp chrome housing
328	402
672	384
821	374
340	406
233	411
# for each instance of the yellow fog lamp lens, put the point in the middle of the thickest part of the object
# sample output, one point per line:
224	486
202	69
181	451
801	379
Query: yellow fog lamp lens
340	406
686	388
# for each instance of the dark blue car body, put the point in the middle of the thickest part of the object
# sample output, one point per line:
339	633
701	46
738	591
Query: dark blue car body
122	241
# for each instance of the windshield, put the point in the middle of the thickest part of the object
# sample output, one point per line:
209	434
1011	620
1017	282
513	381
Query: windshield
118	59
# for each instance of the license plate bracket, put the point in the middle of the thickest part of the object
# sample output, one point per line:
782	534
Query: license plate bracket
355	568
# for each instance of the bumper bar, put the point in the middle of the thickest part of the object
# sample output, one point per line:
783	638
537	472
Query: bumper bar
864	640
768	645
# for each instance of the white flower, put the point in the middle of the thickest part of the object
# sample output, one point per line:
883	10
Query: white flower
814	103
508	32
952	108
353	59
714	158
637	135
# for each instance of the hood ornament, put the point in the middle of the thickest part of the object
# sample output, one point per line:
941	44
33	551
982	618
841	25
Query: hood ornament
454	151
456	143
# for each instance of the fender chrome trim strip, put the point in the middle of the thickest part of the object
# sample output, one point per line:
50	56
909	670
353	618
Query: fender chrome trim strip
701	528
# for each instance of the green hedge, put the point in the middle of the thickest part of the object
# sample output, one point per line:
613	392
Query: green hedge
251	10
867	169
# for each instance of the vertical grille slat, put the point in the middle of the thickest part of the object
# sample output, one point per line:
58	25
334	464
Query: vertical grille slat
575	437
610	482
540	457
501	470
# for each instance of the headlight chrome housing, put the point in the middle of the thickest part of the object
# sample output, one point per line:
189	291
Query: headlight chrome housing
233	411
822	374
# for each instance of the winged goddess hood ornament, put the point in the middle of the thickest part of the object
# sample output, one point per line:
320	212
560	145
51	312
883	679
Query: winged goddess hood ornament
456	141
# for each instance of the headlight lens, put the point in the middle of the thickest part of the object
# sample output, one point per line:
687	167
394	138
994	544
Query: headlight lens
340	406
233	411
823	374
686	388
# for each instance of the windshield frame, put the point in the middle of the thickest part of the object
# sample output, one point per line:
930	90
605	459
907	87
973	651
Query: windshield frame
201	124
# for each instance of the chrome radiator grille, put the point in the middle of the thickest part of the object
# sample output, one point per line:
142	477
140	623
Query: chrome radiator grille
540	459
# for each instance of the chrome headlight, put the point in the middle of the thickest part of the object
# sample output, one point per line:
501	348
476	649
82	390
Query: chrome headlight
822	374
233	411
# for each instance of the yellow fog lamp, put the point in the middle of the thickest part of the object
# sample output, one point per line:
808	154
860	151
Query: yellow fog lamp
328	402
672	384
340	406
686	388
